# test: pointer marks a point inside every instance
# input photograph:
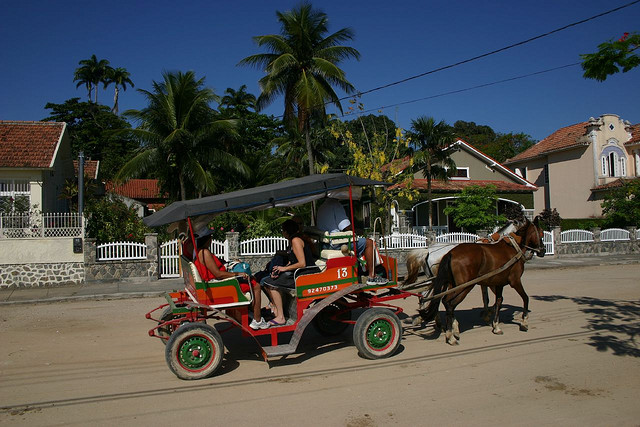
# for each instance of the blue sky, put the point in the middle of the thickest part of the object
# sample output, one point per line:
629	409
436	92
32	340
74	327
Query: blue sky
42	42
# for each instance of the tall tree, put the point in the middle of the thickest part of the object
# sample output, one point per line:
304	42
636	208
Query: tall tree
302	65
611	57
432	156
92	72
94	129
120	77
238	100
179	133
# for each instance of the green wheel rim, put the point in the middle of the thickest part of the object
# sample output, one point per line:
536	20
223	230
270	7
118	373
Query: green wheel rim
380	334
196	353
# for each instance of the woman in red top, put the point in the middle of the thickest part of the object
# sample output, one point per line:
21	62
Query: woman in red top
210	268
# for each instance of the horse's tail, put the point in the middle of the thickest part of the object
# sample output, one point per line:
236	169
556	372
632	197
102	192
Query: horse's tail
415	261
443	278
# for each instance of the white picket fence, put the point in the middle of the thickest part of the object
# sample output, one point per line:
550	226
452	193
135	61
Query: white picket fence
263	245
549	246
458	238
576	236
120	251
170	256
614	235
403	241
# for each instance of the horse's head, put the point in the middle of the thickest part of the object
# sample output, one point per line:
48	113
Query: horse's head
532	237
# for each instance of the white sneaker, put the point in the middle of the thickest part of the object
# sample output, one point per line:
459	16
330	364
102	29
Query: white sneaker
377	280
262	324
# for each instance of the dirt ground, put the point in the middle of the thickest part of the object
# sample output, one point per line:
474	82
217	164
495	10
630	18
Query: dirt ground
92	363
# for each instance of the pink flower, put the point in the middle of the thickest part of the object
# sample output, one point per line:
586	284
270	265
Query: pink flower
624	37
232	230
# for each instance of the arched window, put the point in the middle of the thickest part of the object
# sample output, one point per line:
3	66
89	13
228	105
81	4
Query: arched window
613	162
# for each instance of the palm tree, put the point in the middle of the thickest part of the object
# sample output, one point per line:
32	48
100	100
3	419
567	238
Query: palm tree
120	77
302	65
91	73
178	132
238	99
433	156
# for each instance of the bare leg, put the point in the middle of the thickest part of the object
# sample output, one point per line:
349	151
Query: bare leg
368	258
257	301
496	315
276	297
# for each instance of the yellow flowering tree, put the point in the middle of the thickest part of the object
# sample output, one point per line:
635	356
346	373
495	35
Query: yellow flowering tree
374	155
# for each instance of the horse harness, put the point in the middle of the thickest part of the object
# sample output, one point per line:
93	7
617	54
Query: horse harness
519	254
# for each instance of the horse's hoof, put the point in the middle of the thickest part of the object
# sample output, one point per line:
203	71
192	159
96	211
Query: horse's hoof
417	321
453	342
524	328
498	331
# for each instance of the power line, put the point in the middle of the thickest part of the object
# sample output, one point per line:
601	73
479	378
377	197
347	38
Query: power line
466	89
493	52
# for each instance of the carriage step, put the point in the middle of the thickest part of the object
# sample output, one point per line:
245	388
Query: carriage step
279	350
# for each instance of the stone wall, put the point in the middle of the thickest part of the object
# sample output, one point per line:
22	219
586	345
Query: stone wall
39	262
597	247
96	271
41	274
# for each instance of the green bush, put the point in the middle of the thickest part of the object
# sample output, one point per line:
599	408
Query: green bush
110	220
581	223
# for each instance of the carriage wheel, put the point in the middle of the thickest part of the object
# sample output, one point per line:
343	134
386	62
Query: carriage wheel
327	326
166	330
194	351
377	333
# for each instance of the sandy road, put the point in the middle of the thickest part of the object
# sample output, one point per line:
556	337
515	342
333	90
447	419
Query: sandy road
91	363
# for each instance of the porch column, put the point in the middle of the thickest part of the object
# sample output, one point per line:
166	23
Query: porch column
233	240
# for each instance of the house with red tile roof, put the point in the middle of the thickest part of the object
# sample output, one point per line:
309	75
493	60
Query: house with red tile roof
91	168
143	194
35	161
473	168
577	165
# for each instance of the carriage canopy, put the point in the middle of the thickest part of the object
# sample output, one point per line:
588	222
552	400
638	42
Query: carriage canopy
281	194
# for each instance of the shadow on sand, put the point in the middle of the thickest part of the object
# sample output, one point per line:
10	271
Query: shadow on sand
616	323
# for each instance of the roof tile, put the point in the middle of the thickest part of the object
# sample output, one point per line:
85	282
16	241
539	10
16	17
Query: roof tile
562	138
136	189
28	144
459	185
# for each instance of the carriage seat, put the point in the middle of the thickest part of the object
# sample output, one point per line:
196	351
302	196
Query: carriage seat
216	293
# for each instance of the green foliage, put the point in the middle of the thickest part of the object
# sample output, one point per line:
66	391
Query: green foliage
432	156
249	225
549	218
621	207
580	223
500	146
182	138
93	129
611	57
475	209
110	220
302	64
17	205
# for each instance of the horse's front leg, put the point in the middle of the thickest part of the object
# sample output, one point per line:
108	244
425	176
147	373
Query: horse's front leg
517	285
496	315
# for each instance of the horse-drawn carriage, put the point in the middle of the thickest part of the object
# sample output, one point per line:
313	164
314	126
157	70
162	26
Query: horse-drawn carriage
327	296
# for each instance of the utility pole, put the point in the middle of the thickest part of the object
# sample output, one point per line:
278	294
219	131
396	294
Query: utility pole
81	182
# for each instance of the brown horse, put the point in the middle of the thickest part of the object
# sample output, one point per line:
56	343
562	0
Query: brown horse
492	265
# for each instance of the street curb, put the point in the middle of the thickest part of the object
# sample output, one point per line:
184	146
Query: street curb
96	297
